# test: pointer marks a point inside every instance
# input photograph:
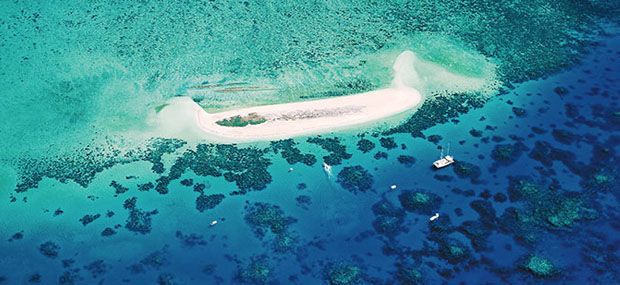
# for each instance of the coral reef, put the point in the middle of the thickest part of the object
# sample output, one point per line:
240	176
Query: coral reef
49	249
190	240
207	202
289	151
343	274
245	166
338	152
355	179
464	169
258	271
420	202
388	143
87	219
539	266
406	160
138	221
264	216
365	145
506	154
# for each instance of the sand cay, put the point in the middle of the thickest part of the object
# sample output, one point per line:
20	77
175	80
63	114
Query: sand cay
281	121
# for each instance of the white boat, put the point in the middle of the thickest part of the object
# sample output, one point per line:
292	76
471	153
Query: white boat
434	217
213	223
443	161
327	168
393	187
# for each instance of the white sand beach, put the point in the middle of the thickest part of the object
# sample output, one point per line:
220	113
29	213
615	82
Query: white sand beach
287	120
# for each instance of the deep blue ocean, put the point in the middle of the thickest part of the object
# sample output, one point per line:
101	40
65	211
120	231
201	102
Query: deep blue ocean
534	198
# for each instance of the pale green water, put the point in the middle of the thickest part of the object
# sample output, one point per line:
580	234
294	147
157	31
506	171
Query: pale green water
77	72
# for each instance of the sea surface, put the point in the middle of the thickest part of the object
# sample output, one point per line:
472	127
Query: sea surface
86	197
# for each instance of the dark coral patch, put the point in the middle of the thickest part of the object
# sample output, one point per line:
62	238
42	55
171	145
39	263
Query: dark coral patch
289	151
138	221
467	170
388	143
420	202
406	160
258	271
87	219
264	216
118	188
343	274
108	232
338	151
365	145
355	179
381	155
207	202
245	166
506	154
49	249
190	240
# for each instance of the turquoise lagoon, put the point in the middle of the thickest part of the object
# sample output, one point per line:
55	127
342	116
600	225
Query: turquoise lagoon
91	198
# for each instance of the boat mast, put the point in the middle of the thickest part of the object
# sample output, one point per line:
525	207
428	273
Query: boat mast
448	149
441	154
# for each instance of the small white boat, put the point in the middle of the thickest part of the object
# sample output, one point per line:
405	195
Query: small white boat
327	168
444	161
213	223
434	217
393	187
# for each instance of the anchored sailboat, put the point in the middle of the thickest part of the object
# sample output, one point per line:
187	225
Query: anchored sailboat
444	161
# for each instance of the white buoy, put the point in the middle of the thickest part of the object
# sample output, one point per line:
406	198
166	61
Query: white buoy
434	217
213	223
393	187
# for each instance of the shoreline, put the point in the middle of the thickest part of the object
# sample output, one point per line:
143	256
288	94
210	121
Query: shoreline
357	109
184	118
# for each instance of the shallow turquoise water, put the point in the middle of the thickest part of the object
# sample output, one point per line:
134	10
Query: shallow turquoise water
79	80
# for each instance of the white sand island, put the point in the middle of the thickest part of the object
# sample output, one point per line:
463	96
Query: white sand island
281	121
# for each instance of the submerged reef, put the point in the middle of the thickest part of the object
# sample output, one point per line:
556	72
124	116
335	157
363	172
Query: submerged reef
263	217
464	169
292	154
436	110
355	179
82	165
154	260
49	249
139	221
338	151
420	201
408	274
258	271
406	160
245	166
539	266
453	251
365	145
506	154
206	202
389	218
343	274
388	143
